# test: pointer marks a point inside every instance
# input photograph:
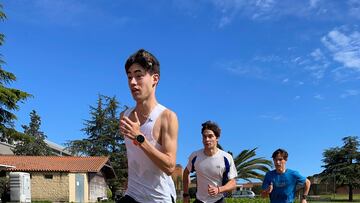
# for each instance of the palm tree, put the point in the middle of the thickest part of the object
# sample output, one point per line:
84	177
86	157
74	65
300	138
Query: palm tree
249	167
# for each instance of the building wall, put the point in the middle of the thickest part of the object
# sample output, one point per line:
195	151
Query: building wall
177	178
57	150
97	186
345	190
5	148
86	187
55	189
71	187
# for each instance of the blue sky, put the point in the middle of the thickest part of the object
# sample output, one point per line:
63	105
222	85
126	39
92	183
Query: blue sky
271	73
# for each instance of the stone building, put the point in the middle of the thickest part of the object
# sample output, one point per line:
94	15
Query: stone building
63	178
177	178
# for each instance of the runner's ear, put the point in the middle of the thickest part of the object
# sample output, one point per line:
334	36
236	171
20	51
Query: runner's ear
156	78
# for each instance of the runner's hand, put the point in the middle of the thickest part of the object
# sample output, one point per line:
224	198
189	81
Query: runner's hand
130	128
265	193
213	190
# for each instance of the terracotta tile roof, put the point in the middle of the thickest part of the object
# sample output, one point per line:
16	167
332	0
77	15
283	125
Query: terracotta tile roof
54	163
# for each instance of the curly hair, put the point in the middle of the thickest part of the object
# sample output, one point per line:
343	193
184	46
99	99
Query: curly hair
210	125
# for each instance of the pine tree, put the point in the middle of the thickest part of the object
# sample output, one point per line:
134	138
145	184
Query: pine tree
104	138
95	129
116	145
9	98
33	142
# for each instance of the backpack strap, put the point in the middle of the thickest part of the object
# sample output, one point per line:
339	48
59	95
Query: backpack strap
226	172
193	164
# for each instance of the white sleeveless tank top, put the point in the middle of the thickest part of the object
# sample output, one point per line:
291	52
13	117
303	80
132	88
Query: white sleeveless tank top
147	183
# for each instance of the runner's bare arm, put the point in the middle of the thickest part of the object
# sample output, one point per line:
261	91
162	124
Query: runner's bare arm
228	187
166	158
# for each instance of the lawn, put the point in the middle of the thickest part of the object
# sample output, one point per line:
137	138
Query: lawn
338	198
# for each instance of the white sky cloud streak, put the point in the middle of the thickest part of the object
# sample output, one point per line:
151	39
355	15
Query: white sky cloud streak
349	93
345	48
67	13
273	117
318	97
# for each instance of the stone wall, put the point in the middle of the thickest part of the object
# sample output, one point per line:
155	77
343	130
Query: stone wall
52	186
97	186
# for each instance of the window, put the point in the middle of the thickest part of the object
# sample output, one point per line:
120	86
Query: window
48	176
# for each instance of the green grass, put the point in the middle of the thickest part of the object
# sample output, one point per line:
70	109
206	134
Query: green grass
239	200
338	199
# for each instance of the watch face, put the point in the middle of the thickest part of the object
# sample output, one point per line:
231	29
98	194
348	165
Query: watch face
140	139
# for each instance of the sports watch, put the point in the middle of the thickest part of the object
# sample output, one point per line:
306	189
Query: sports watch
140	139
304	197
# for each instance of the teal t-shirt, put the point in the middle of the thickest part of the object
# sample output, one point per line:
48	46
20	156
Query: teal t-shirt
284	185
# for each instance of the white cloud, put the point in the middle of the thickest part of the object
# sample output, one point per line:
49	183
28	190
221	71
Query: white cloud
297	97
317	71
317	55
259	67
238	68
296	60
272	117
252	9
341	45
263	8
54	10
317	64
318	97
225	20
314	3
349	93
285	80
259	10
344	47
67	13
267	58
342	74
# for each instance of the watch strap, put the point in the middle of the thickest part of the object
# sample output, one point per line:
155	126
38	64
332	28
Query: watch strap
304	197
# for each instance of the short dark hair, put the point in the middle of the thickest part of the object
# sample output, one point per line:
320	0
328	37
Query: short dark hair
282	152
209	125
144	59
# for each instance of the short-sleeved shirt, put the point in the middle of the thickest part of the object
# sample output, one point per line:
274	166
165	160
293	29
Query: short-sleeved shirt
284	185
209	171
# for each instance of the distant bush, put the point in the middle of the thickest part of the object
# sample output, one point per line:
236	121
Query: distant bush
192	192
257	189
4	188
109	193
